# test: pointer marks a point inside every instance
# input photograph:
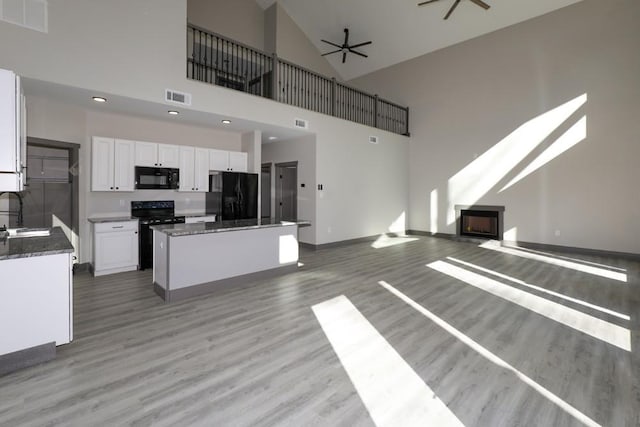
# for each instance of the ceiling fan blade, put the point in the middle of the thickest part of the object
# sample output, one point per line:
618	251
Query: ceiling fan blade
360	44
481	4
358	53
346	36
452	9
344	57
333	51
426	2
331	43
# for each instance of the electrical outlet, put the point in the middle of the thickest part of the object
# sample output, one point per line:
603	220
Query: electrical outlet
121	203
328	229
557	233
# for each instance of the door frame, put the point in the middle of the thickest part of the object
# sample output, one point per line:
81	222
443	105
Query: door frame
74	167
278	195
269	188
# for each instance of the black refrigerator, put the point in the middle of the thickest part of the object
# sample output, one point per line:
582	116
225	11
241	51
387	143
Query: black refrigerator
232	195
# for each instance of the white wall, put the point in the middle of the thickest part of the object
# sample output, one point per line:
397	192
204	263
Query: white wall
467	98
240	20
303	151
54	120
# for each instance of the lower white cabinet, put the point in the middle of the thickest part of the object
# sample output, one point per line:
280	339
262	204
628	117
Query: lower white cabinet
200	219
115	247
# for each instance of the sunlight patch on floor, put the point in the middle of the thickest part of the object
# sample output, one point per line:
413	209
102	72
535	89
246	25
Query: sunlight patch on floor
390	389
385	241
541	289
590	269
597	328
492	357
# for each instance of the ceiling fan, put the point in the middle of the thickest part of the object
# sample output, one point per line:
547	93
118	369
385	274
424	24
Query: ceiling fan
455	4
346	47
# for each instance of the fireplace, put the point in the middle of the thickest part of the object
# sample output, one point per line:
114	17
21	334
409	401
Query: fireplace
480	221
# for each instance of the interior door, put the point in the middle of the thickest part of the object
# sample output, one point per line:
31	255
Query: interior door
287	191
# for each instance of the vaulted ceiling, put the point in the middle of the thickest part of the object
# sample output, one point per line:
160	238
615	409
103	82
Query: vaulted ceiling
400	29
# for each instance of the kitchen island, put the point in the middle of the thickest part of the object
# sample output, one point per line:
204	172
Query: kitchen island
194	259
36	298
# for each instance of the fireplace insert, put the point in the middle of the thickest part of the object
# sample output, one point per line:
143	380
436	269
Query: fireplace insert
477	223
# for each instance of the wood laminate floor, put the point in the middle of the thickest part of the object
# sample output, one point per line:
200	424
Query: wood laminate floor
498	349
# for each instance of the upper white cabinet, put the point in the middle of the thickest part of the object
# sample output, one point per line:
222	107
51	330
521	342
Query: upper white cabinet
153	154
112	166
221	160
194	169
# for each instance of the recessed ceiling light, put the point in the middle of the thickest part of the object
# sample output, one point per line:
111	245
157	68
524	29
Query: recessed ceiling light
173	112
99	99
226	122
273	138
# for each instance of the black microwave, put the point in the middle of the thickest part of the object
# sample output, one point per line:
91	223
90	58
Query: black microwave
149	178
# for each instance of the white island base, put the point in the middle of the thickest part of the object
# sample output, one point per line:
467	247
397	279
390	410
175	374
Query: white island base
194	259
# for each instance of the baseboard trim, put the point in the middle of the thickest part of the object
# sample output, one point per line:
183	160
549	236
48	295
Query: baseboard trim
82	267
175	295
340	243
21	359
533	245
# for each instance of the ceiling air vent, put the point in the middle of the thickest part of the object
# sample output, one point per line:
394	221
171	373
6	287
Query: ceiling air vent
302	124
176	97
373	139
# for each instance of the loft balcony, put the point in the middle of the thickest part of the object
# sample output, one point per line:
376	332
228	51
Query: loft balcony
221	61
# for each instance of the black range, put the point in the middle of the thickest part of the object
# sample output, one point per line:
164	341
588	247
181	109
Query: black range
150	213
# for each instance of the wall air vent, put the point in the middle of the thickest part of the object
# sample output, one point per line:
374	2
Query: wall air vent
176	97
302	124
26	13
373	139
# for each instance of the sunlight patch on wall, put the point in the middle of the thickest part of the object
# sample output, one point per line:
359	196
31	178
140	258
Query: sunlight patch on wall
541	289
597	328
492	357
577	133
393	393
511	235
481	175
434	211
399	226
590	269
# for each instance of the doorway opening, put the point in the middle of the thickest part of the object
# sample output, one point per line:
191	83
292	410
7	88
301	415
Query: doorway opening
51	193
265	190
286	206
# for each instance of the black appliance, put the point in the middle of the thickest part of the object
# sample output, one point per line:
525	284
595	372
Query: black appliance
150	178
151	213
232	195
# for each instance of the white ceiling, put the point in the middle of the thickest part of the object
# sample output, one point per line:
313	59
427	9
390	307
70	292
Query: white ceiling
399	29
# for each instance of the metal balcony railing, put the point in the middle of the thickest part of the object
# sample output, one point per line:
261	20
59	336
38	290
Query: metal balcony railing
218	60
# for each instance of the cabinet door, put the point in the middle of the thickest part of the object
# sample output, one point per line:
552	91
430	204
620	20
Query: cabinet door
102	164
146	154
116	250
201	170
124	153
218	160
168	156
237	161
187	163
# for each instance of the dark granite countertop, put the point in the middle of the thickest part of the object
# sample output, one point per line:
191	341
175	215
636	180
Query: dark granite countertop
176	230
24	247
111	219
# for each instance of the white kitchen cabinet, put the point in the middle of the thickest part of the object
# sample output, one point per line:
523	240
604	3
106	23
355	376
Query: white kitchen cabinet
115	247
112	167
199	219
237	161
194	169
221	160
157	155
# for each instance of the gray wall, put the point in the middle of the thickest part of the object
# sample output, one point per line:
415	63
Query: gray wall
467	98
241	20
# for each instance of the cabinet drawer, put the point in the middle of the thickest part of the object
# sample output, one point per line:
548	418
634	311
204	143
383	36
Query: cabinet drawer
110	227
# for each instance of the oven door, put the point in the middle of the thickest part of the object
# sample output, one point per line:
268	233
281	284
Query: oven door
148	178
